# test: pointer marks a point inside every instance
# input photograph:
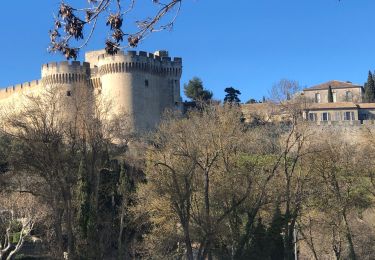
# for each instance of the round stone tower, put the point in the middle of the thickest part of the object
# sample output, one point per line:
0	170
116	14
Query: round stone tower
141	85
69	82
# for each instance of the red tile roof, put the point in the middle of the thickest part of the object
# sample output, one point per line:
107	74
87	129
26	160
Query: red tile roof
335	84
337	105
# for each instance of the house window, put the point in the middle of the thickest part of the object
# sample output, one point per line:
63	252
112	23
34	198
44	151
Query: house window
325	116
68	93
312	116
348	96
317	97
348	116
334	95
146	82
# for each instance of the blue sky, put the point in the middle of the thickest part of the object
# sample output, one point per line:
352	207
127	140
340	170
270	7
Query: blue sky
247	44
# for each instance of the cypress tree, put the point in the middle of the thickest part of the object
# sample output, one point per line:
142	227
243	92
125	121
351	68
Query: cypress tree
83	198
330	95
126	188
370	89
126	185
274	236
258	246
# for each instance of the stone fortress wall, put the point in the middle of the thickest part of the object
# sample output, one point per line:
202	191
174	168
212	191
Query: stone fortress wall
353	133
142	85
13	97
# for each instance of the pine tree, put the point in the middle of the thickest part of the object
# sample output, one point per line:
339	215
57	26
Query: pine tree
370	89
274	236
330	95
232	95
195	90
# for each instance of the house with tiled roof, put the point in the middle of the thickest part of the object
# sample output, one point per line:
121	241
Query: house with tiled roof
345	107
342	92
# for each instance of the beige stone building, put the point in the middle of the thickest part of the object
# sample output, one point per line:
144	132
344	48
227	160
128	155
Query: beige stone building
346	109
347	106
141	85
342	92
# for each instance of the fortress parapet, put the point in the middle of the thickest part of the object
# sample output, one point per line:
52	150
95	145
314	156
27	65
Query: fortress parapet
19	88
95	78
65	72
143	62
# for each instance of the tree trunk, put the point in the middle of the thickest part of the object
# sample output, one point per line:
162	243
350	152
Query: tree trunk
121	253
58	252
349	237
7	245
18	246
69	227
207	251
189	249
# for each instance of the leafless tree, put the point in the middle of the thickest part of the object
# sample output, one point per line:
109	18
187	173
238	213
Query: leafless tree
204	172
50	144
71	22
19	212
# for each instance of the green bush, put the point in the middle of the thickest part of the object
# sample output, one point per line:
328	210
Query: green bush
15	237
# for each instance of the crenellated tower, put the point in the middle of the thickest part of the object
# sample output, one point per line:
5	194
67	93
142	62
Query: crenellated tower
70	82
143	85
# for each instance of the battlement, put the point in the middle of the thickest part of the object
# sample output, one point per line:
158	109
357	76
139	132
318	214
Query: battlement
140	55
65	72
19	88
142	61
74	67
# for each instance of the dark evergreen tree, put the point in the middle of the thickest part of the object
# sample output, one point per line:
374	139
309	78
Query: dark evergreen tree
274	236
370	89
232	95
330	95
258	246
83	198
251	101
126	189
195	90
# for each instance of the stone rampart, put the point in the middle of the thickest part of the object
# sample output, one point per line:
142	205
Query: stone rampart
19	88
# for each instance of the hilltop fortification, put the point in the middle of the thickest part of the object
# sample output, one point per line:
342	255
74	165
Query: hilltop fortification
142	85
